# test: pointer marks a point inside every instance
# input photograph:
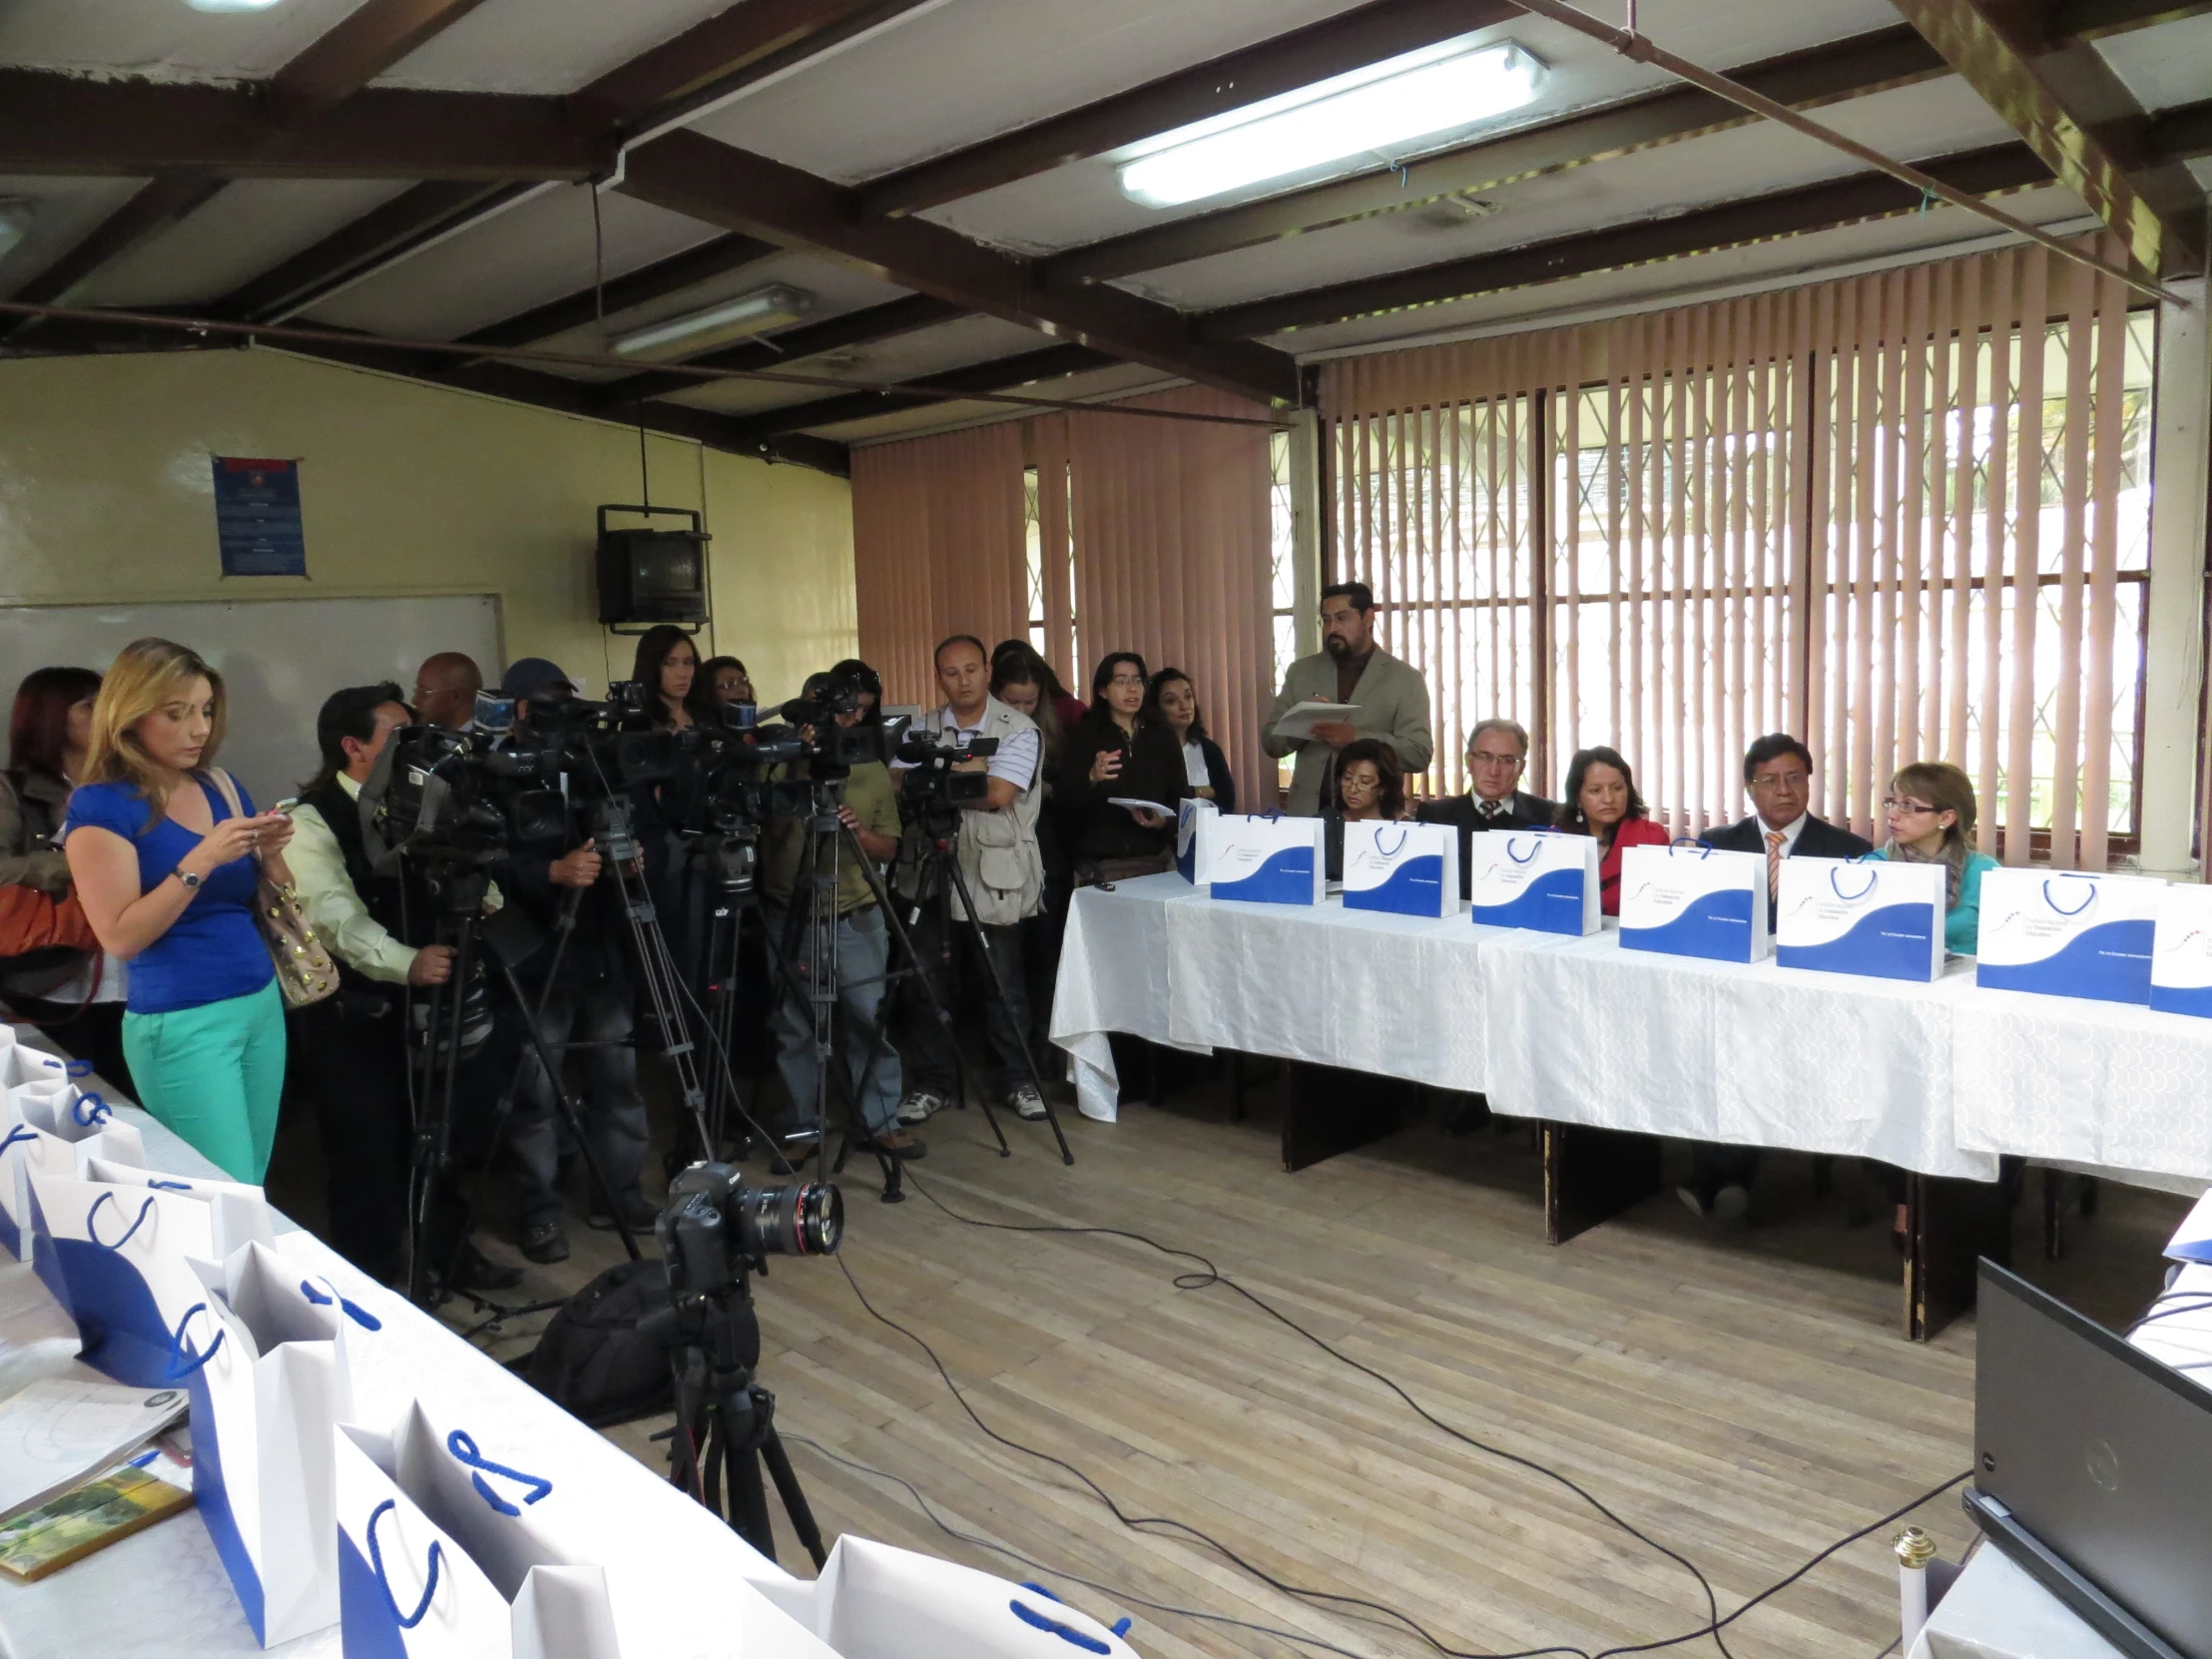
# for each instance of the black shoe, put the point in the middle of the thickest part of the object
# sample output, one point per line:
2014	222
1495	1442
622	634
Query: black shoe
478	1271
895	1143
545	1242
638	1214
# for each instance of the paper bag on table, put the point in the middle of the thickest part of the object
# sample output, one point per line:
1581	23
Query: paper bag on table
1874	919
874	1601
1690	899
1539	880
1409	869
1266	861
1193	846
2065	932
2181	952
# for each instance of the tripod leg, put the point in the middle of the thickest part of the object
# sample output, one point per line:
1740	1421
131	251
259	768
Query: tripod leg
794	1501
937	1009
1005	1002
748	1498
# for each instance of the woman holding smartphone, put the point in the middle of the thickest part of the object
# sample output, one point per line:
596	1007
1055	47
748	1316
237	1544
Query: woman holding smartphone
167	878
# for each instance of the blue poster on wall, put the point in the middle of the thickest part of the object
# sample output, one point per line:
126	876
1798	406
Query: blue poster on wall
257	517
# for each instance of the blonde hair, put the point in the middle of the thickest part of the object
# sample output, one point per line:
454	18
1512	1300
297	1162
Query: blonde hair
148	674
1946	788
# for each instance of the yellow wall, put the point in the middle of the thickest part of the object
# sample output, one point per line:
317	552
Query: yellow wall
106	496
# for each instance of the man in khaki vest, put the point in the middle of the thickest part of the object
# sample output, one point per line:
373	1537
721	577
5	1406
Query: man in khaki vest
1391	698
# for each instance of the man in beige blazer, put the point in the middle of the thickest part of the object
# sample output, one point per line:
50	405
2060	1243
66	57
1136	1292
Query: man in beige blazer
1393	698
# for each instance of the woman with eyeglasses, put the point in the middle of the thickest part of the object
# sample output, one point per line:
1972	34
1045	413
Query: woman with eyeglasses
1931	807
1116	754
1365	784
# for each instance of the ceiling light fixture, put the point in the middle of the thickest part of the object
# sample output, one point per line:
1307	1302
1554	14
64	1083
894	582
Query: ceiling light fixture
697	331
232	5
15	223
1373	110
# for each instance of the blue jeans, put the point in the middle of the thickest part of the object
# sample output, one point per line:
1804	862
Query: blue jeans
598	1018
863	951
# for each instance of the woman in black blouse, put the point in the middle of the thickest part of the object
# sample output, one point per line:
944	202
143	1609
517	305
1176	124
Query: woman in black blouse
1116	753
1173	701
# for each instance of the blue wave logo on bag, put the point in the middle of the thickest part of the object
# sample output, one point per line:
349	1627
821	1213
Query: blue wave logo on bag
1537	880
1697	902
1874	919
2066	933
1267	860
2181	952
1409	869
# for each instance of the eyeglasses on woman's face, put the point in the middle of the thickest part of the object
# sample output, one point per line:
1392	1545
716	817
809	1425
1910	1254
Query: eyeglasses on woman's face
1899	806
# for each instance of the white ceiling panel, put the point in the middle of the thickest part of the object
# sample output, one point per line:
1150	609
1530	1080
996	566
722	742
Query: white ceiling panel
63	212
252	225
914	356
1932	118
545	46
1680	280
2164	66
163	40
536	251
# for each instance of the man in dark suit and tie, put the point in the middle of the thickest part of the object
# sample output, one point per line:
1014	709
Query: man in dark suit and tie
1777	771
1498	754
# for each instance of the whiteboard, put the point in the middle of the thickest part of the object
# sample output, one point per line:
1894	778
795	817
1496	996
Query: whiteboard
278	658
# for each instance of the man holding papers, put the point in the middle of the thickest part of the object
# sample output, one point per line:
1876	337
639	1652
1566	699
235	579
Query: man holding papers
1349	689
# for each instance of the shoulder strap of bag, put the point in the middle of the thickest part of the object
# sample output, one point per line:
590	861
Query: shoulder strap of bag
229	789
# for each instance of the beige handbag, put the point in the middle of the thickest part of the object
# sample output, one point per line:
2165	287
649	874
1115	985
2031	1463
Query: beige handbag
305	971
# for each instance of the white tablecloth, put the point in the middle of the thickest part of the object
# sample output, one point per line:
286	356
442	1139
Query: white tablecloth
1583	1031
1114	978
1393	995
2082	1082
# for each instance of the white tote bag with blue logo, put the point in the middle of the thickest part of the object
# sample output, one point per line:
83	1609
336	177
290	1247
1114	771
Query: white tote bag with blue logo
1406	868
2181	952
271	1381
1874	919
874	1601
1193	846
406	1590
1690	899
1540	879
2065	932
1268	859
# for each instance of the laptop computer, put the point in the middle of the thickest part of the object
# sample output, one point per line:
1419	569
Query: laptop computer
2093	1470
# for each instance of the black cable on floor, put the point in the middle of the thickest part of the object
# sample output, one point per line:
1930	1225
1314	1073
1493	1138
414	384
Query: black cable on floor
1209	1276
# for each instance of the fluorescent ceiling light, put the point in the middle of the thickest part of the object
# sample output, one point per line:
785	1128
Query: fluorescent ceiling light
15	223
696	331
232	5
1373	110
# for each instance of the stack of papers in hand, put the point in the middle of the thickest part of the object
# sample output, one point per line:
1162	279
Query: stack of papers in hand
56	1434
2192	1241
1300	721
1140	806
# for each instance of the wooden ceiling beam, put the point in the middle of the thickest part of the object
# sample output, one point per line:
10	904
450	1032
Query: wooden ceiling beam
2071	110
719	184
998	374
1849	201
862	328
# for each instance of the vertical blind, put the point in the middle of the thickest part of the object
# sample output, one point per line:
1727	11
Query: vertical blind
1152	536
1904	516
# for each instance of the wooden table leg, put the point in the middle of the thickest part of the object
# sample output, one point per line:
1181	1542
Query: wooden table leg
1326	1110
1949	1225
1592	1175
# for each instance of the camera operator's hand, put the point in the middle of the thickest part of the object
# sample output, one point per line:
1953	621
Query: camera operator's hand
1106	766
432	966
579	868
881	848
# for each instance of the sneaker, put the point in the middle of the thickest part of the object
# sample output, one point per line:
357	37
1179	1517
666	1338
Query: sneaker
899	1143
920	1105
544	1242
1025	1101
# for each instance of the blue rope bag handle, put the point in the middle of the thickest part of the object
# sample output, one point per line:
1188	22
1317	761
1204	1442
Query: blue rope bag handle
1405	834
89	1110
1705	848
2089	900
75	1068
407	1621
465	1453
178	1369
1872	878
1120	1626
21	1133
92	1233
353	1310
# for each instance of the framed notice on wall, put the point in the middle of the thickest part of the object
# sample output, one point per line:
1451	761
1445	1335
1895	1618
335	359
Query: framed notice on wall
257	517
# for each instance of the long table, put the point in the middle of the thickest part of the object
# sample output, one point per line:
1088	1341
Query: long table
1612	1049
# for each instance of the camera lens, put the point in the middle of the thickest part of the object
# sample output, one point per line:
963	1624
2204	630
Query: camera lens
804	1218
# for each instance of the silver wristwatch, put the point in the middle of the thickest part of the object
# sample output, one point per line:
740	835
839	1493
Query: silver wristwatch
188	877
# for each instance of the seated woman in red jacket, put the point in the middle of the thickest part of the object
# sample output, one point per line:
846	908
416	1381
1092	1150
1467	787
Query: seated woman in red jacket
1601	801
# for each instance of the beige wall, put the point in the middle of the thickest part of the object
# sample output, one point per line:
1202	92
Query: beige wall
106	496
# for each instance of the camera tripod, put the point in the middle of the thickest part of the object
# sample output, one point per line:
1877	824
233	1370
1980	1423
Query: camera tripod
436	1072
938	880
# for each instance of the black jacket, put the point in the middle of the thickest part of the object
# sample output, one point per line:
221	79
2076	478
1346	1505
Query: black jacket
1151	770
1218	777
1527	812
1818	840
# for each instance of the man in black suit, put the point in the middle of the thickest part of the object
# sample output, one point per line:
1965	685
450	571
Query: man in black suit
1778	771
1498	754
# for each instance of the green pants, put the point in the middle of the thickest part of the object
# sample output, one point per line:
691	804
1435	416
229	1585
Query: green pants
213	1075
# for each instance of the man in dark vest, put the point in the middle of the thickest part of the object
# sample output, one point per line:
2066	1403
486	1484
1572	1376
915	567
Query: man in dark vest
353	1045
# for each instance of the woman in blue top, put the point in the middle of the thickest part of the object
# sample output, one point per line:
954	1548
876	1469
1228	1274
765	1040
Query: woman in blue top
168	879
1931	817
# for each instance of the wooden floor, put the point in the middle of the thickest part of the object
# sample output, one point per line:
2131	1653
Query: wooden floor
1743	1395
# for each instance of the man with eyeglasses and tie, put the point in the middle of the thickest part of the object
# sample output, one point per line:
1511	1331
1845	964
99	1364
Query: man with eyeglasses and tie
1497	755
1778	773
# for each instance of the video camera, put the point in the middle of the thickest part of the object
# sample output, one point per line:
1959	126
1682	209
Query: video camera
735	777
929	790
